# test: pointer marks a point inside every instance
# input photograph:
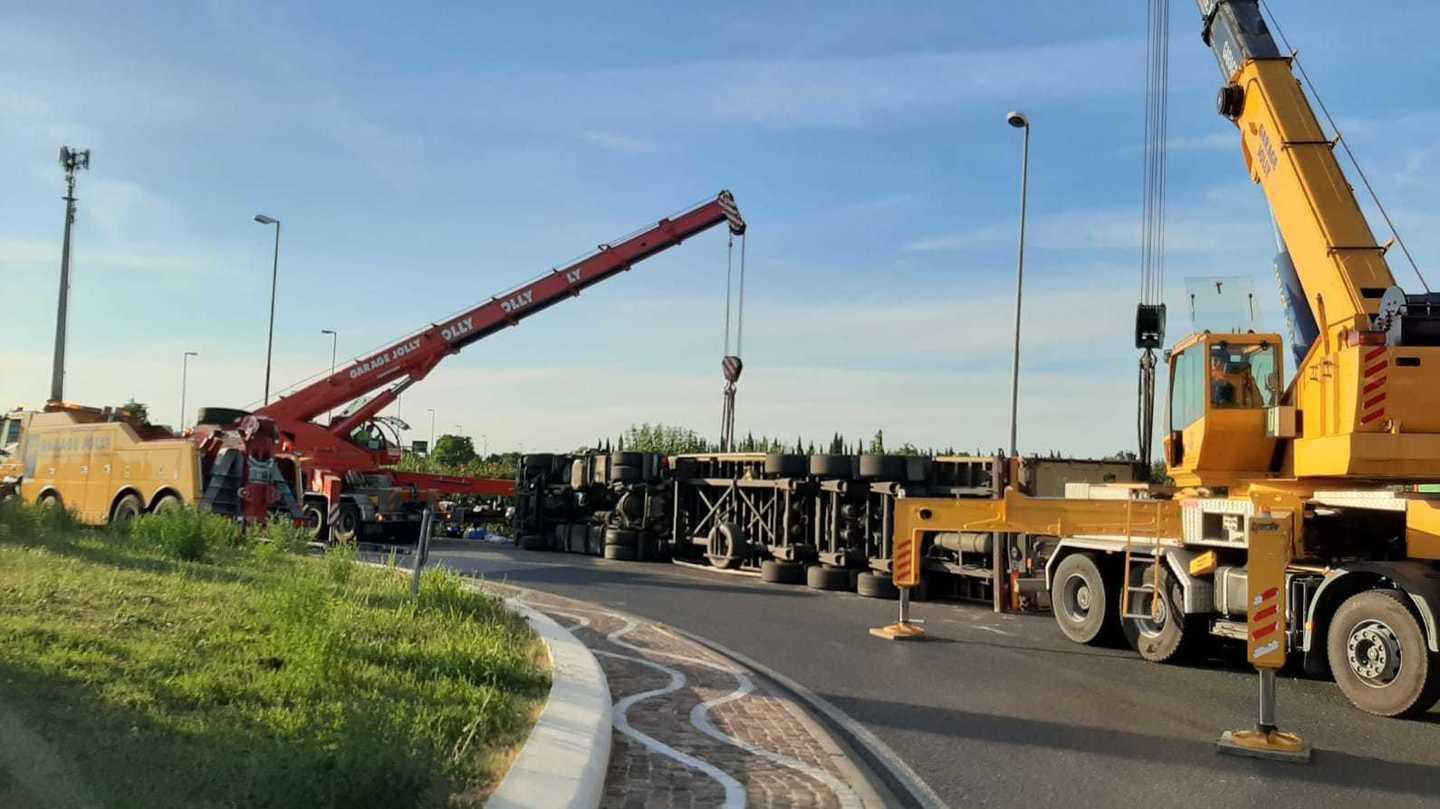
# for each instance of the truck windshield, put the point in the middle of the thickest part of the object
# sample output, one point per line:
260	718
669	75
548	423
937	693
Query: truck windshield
1243	376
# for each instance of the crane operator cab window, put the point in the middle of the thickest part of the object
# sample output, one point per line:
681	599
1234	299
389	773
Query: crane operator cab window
369	437
1243	376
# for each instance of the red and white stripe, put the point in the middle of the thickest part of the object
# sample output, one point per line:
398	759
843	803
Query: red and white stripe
1372	392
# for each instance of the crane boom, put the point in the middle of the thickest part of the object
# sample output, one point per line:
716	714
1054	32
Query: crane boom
394	368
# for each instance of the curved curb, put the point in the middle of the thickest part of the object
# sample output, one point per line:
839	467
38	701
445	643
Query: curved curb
563	763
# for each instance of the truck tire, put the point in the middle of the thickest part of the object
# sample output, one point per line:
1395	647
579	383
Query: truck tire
537	460
534	542
819	577
1174	634
880	467
917	468
875	585
622	536
167	504
777	572
625	474
832	466
627	458
620	553
786	466
728	546
346	528
49	500
1085	603
314	514
1379	658
220	416
126	509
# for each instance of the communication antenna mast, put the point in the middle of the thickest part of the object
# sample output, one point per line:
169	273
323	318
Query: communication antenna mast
71	160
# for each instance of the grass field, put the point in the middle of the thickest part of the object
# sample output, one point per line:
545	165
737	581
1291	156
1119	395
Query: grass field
175	665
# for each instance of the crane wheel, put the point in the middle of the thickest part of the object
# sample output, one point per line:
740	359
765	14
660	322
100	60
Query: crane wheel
126	509
1172	635
1085	601
167	504
347	524
314	516
1379	657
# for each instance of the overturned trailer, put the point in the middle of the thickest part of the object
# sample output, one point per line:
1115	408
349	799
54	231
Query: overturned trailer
822	520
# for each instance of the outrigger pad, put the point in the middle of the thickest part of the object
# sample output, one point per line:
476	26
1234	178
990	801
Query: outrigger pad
1276	745
899	632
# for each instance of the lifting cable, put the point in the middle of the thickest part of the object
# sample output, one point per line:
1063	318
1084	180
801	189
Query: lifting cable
1344	144
732	364
1150	314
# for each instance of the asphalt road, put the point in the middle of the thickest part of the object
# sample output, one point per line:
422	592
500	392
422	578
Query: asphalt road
1000	709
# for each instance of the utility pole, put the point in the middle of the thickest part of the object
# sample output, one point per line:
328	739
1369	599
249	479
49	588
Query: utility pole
334	343
184	382
72	160
274	282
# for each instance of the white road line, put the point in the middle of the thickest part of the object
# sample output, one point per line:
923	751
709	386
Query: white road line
984	628
735	795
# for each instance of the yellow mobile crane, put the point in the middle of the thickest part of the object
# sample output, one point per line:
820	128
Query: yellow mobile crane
1295	505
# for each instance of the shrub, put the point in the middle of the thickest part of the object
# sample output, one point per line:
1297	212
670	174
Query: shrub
285	535
185	533
340	563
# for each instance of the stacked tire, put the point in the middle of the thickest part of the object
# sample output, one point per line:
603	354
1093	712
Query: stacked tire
622	544
627	467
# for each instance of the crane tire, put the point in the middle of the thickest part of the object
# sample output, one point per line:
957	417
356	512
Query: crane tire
127	508
347	524
1378	655
1085	601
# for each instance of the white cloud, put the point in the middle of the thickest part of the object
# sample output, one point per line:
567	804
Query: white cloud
1186	231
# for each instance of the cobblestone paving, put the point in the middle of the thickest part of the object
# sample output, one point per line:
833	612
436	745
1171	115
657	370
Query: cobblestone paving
695	729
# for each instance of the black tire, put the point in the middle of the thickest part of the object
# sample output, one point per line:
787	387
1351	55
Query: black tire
832	466
1378	655
622	536
880	467
534	542
1086	604
1174	635
728	546
627	459
917	468
538	460
626	474
220	416
346	527
786	466
314	514
50	500
818	577
166	504
126	509
777	572
875	585
685	469
620	553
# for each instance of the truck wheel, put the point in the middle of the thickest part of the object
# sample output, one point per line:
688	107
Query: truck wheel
128	508
534	542
832	466
1170	635
167	504
625	474
1086	606
347	524
626	459
1378	655
786	466
819	577
620	553
881	467
314	515
622	536
776	572
49	500
875	585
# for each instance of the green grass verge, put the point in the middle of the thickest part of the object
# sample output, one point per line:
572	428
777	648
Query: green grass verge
174	664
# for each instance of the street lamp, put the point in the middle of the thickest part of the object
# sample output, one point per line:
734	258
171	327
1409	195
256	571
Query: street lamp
334	342
274	277
484	445
184	381
1019	121
432	428
71	160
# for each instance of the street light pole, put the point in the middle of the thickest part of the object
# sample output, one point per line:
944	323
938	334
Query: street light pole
1019	121
1000	557
274	278
184	382
72	160
432	428
334	342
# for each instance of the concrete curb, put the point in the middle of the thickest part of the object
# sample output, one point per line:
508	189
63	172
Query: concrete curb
564	761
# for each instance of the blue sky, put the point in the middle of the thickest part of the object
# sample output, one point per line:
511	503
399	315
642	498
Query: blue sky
423	159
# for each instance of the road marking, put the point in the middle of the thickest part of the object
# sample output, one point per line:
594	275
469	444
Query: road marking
984	628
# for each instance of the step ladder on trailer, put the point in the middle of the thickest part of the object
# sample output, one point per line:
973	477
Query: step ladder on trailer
1147	559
